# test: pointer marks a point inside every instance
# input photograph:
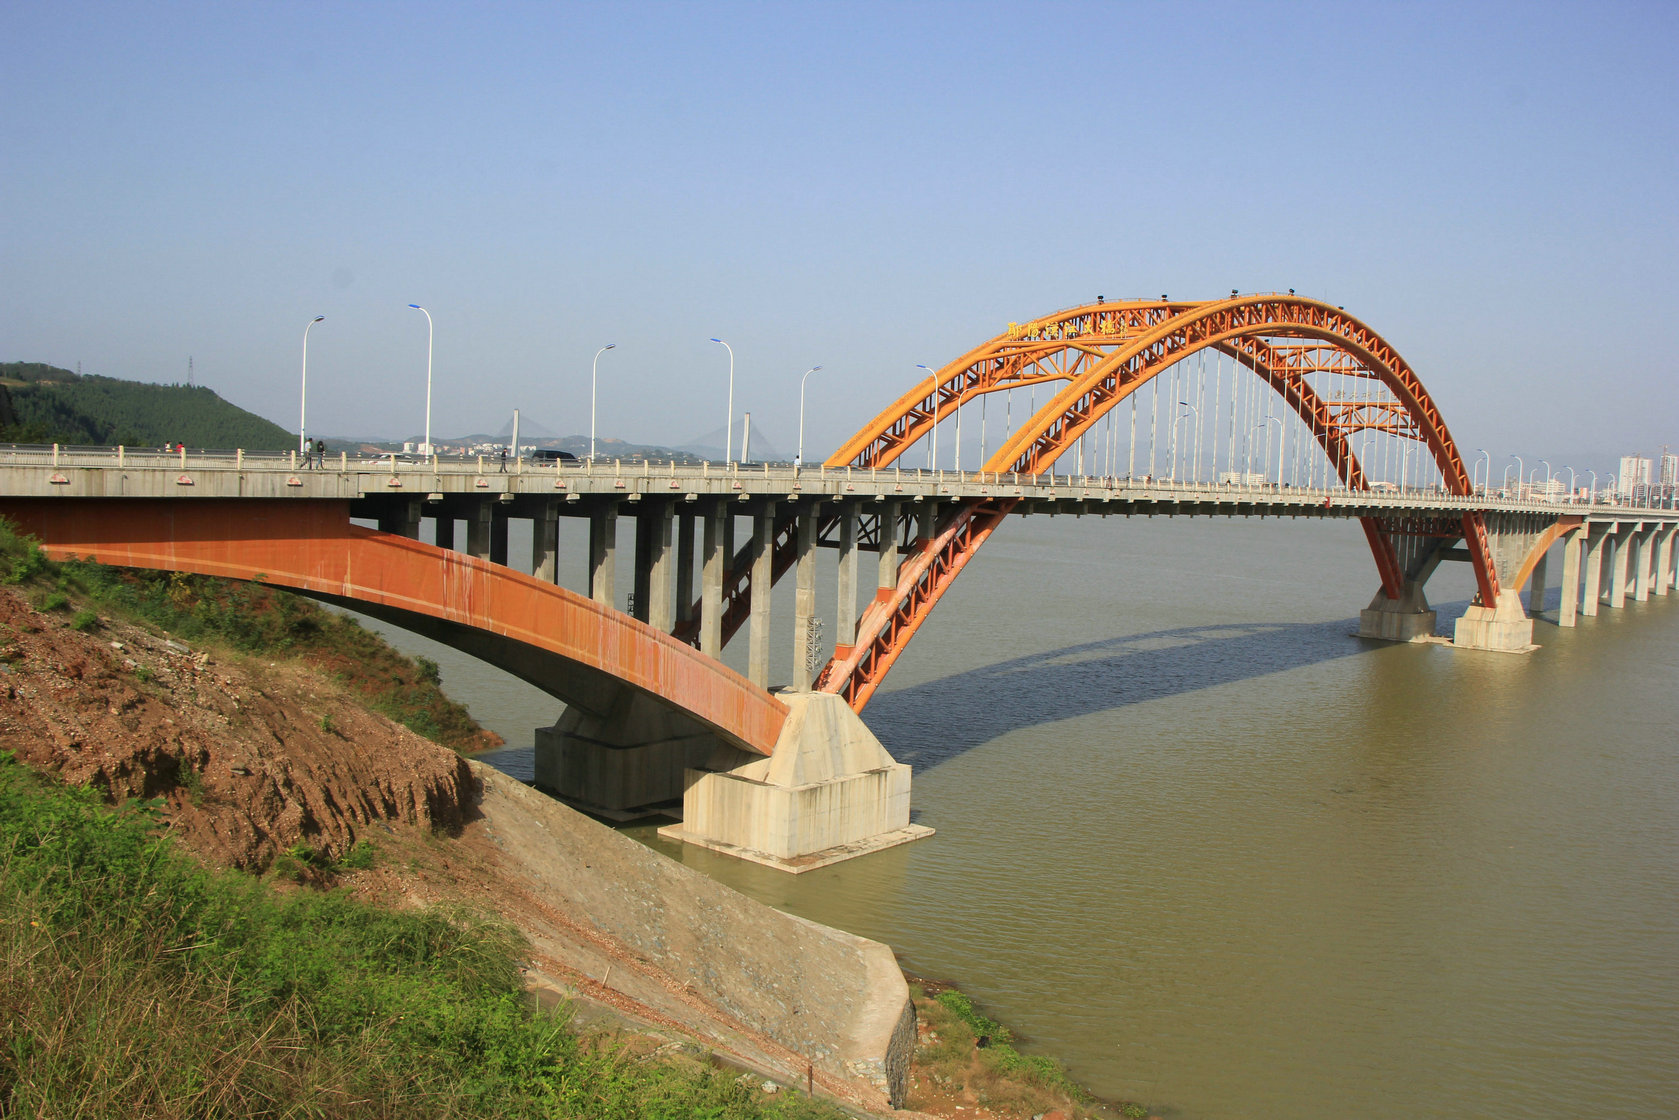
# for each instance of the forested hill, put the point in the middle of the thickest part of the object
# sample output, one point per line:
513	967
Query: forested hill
44	404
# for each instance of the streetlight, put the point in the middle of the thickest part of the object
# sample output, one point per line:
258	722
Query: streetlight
1504	483
1192	408
303	406
799	459
1278	421
1591	499
1521	474
1482	452
1547	464
594	394
425	448
1570	471
729	428
933	449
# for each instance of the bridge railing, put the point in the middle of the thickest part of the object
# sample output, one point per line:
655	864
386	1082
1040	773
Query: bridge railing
958	483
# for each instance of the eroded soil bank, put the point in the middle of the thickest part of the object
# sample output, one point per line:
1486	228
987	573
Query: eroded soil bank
269	766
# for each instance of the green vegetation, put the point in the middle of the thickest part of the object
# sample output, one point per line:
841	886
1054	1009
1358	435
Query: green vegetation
45	404
251	619
135	982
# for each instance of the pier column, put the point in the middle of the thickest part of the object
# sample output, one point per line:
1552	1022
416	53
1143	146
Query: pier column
714	562
763	575
845	613
684	566
443	529
1645	560
403	520
926	524
888	534
1597	538
804	601
1618	572
1571	549
654	603
478	531
498	534
1536	584
603	552
545	543
1664	561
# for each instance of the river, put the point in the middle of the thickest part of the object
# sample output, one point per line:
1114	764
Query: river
1222	857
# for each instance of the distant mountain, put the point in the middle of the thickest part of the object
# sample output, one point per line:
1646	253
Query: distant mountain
52	405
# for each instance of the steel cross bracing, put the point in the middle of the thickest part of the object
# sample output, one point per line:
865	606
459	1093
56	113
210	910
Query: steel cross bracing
1104	353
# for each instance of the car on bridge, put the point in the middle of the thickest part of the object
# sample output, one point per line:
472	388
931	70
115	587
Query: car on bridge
549	455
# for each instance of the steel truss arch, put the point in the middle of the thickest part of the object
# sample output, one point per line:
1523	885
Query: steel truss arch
1105	352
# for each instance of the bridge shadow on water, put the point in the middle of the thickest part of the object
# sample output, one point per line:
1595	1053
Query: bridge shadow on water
929	723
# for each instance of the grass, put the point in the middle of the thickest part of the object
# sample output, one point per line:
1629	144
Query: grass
253	619
135	982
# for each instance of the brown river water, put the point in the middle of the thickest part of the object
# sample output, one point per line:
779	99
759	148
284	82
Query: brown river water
1220	856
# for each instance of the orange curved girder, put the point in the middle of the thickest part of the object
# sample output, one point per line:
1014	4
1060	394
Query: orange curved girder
1546	539
312	547
1105	352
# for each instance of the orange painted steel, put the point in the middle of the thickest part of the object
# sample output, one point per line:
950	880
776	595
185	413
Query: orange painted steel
1104	352
313	547
1546	539
923	577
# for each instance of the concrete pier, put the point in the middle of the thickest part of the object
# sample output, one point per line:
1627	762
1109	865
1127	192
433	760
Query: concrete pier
829	792
1505	628
1408	618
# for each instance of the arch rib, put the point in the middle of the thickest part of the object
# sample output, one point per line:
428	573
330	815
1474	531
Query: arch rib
565	643
1105	352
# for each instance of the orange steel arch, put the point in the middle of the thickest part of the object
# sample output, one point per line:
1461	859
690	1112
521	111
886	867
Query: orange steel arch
566	644
1105	352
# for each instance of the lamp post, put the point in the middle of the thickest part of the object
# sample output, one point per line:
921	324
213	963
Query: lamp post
1197	412
425	448
798	460
1546	463
1481	451
1278	421
933	450
1521	474
1504	483
594	394
729	427
303	406
1570	471
1591	499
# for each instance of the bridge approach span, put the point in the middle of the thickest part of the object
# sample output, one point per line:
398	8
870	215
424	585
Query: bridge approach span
578	650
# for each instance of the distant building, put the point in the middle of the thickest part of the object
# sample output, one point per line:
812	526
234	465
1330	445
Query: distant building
1635	475
1670	470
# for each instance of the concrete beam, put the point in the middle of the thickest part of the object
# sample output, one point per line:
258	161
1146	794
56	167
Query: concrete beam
763	576
1618	572
889	513
1597	541
1645	559
845	613
603	553
545	543
1664	562
1536	585
715	564
478	521
403	519
1572	543
804	601
684	566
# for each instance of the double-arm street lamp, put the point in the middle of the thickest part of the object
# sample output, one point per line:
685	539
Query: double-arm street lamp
798	460
303	406
933	448
594	394
729	426
425	448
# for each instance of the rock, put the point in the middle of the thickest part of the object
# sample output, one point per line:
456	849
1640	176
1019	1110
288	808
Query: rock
771	1087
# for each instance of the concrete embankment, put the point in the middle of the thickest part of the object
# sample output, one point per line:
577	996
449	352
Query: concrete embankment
780	992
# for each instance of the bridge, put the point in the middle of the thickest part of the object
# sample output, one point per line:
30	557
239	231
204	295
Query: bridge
1302	412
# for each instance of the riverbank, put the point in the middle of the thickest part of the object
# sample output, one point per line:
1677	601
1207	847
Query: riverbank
265	763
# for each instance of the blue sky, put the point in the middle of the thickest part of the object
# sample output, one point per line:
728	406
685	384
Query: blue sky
861	186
